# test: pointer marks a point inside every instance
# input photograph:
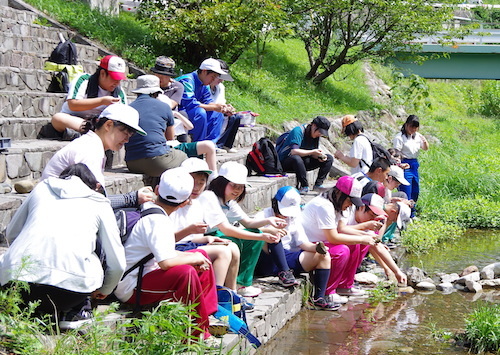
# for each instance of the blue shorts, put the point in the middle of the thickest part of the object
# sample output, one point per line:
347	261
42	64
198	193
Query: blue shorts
266	266
188	246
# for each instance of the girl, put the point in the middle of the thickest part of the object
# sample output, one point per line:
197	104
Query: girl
299	253
361	155
320	220
409	142
226	191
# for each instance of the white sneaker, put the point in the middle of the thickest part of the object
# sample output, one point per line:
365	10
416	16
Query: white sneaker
230	150
353	291
219	151
249	291
336	298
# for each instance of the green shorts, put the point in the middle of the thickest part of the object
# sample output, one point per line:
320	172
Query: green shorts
188	148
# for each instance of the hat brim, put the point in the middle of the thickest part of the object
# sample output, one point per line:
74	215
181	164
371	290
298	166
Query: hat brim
147	90
208	172
377	210
289	211
164	72
116	75
356	201
402	180
226	77
324	132
137	129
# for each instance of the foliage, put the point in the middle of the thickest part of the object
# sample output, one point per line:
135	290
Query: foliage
489	17
411	92
423	235
482	329
490	99
439	333
383	293
342	32
122	34
196	30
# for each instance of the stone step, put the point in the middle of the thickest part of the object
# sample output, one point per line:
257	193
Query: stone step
41	45
30	104
21	16
21	128
22	79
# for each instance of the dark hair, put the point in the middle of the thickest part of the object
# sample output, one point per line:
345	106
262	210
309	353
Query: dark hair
169	203
83	172
96	123
353	128
412	121
207	70
371	187
336	197
380	162
274	205
218	186
395	153
223	65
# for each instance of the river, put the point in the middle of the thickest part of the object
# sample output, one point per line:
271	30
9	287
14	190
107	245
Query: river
405	325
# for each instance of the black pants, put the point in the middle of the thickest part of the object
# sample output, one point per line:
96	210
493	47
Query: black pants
300	166
227	138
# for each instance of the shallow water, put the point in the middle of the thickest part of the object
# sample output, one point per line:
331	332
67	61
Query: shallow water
402	326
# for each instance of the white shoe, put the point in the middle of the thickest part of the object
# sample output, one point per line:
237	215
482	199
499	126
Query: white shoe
336	298
219	151
353	291
249	291
230	150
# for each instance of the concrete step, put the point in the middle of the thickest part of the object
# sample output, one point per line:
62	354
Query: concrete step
43	45
21	16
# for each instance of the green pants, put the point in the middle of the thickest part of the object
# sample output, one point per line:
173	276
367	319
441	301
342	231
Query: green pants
250	252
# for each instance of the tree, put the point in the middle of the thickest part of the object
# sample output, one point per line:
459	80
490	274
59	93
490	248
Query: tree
338	32
196	29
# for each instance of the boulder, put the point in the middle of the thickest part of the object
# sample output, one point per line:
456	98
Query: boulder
24	186
366	278
470	277
490	283
469	270
415	275
489	272
405	290
425	286
445	278
445	287
473	286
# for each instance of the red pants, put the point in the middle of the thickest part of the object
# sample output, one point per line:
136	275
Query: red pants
184	284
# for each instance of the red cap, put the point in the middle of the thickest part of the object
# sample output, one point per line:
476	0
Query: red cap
115	66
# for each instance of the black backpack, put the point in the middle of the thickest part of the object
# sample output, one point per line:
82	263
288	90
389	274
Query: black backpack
59	82
64	53
378	152
263	158
280	142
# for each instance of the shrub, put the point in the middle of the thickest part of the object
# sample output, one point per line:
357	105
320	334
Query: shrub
490	97
482	329
422	235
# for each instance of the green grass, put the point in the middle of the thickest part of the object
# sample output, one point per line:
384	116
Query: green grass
482	329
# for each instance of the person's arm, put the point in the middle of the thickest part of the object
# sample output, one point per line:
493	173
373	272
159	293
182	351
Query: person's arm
308	246
350	161
88	104
170	133
255	223
358	229
384	258
196	259
334	237
231	231
424	144
213	107
195	228
185	121
315	153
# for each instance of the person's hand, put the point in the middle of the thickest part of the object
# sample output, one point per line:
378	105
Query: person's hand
197	228
217	240
374	225
369	238
270	238
338	154
202	263
145	194
98	295
108	100
401	277
277	222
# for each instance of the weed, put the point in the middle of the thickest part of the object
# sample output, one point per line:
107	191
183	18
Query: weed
439	333
482	330
42	21
383	293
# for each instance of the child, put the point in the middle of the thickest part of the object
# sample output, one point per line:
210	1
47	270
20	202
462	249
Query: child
299	253
226	191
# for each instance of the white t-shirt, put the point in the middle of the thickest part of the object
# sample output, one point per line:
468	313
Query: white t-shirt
295	235
219	94
198	212
408	146
153	233
88	149
361	149
319	214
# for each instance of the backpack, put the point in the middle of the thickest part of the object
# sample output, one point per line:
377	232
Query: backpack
64	53
263	158
59	82
280	142
378	152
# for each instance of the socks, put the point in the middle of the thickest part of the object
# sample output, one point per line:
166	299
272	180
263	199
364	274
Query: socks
320	280
277	254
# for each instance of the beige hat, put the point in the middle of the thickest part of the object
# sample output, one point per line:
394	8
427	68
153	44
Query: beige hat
147	84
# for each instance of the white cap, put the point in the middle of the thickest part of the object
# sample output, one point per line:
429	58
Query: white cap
196	165
147	84
175	185
403	215
288	201
213	65
398	174
375	203
234	172
124	114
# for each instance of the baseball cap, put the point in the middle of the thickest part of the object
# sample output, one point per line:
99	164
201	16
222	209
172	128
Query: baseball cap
288	198
347	120
234	172
373	187
225	67
164	66
375	203
352	187
213	65
398	174
176	185
124	114
115	66
403	215
323	124
196	165
147	84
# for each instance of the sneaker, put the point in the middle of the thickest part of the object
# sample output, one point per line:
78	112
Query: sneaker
321	248
322	304
353	291
319	187
213	342
247	306
287	279
220	151
249	291
304	190
230	150
76	318
336	298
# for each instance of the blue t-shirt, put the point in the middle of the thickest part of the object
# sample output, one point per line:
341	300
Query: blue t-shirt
297	139
195	93
154	117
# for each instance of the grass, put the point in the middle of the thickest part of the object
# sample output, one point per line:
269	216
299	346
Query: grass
482	331
382	293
